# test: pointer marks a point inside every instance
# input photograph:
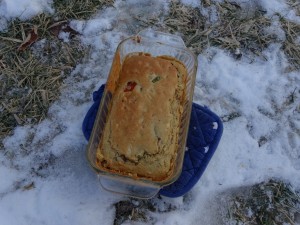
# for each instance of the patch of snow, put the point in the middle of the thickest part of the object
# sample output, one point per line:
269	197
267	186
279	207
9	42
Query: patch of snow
20	136
239	160
275	29
71	199
297	41
192	3
65	36
23	9
279	6
8	177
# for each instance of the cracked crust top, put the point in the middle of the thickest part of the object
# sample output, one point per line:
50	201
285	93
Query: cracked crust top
141	133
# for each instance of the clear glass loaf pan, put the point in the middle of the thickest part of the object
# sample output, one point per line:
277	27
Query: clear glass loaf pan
156	44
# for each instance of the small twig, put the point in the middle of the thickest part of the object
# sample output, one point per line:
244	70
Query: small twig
11	39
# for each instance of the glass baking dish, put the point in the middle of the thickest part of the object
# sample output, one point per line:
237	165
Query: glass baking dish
156	44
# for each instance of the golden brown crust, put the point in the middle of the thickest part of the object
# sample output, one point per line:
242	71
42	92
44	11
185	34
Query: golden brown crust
141	134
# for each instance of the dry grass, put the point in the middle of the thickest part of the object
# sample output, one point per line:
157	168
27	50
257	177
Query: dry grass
182	19
234	31
272	202
189	22
290	45
72	9
240	29
31	79
237	30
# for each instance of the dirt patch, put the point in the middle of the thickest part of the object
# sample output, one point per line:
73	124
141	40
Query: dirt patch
133	210
138	210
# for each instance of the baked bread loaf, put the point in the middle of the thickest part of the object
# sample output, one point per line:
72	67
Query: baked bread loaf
140	137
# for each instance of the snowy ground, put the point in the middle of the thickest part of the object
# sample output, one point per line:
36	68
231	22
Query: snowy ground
45	177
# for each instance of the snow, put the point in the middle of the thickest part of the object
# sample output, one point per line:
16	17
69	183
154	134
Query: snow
279	6
52	153
22	9
191	3
7	181
65	36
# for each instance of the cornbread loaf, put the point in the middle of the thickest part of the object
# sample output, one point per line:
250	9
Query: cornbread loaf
140	137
